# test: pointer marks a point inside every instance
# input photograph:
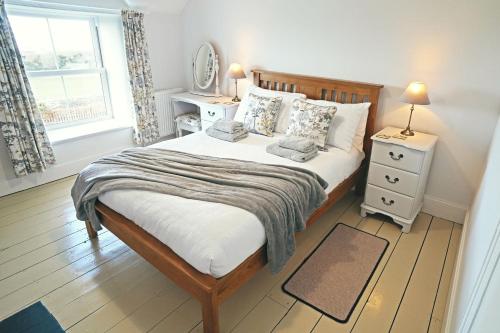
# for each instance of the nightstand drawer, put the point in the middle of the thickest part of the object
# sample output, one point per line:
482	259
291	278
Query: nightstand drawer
212	113
397	156
393	179
389	201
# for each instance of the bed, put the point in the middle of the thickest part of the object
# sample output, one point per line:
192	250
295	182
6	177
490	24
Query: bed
223	246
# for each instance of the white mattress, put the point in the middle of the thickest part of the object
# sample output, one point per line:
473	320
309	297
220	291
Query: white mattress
215	238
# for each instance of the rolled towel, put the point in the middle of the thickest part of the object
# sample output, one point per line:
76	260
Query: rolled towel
231	137
291	154
303	145
228	126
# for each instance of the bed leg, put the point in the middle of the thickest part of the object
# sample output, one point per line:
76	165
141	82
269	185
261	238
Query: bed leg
210	309
90	230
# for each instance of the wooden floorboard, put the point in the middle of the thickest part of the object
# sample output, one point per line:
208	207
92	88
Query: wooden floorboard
421	289
101	285
380	309
444	283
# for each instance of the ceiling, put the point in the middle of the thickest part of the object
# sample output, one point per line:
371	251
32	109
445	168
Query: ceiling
166	6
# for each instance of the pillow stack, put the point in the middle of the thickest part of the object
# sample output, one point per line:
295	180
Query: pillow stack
348	126
281	122
327	123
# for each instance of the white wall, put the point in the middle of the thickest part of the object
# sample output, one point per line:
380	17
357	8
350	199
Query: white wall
478	269
164	34
164	38
451	45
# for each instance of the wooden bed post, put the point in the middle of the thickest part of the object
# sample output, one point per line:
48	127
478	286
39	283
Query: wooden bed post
90	230
210	311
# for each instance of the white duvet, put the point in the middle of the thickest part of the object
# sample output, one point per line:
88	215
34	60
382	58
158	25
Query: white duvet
215	238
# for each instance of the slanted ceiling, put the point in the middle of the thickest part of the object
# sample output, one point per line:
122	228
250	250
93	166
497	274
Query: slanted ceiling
164	6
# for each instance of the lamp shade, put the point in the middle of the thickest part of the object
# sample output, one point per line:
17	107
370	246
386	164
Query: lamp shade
416	93
235	71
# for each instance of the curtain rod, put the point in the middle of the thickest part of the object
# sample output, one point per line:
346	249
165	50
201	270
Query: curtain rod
62	6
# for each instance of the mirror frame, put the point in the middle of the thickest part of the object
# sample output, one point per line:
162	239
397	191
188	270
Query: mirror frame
212	75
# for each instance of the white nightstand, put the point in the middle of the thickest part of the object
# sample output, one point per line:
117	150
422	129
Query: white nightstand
398	175
210	108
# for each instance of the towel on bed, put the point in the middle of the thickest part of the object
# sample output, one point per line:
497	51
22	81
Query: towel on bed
228	126
281	197
291	154
231	137
303	145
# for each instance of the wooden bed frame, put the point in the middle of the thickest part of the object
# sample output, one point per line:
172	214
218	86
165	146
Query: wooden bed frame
210	291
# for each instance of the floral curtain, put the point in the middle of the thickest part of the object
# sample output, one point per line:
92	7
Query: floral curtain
141	79
20	121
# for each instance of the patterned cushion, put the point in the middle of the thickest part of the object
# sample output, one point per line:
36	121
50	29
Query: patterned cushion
310	121
191	119
261	114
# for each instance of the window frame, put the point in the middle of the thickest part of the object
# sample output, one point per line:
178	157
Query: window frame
93	21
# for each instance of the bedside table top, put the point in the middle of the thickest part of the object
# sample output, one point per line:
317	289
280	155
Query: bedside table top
198	99
420	141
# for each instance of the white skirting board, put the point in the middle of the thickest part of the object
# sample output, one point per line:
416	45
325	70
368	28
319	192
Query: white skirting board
444	209
452	293
53	173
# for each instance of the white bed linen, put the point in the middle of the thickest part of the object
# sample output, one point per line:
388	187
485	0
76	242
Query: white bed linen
215	238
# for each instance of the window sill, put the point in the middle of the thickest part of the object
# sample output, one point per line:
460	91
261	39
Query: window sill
61	135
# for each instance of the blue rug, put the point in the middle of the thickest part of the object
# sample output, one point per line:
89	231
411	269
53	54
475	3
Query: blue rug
35	318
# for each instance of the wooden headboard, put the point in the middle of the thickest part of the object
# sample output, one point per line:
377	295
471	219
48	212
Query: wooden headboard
327	89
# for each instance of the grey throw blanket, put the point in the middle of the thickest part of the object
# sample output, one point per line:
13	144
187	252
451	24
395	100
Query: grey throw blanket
281	197
291	154
303	145
228	126
231	137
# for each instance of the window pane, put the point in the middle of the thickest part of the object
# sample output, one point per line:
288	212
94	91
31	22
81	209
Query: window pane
85	97
69	99
33	40
73	43
83	86
48	88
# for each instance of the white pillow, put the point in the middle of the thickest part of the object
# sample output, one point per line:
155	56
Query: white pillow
348	125
358	140
285	110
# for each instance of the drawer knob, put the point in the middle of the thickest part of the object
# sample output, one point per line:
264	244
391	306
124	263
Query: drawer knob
211	113
393	181
387	203
394	157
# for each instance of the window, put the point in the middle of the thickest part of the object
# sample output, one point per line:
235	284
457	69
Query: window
62	57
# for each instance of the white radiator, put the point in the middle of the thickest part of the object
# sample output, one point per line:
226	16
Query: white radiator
165	111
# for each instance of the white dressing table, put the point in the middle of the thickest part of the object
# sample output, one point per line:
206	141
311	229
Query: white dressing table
210	108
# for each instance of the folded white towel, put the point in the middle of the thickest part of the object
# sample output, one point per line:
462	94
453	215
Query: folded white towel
291	154
228	126
231	137
303	145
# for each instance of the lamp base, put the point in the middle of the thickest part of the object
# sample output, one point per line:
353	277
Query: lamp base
408	132
236	99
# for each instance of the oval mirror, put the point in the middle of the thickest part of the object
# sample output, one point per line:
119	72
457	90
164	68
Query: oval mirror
204	65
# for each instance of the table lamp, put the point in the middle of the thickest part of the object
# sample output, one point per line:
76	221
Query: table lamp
236	72
416	93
